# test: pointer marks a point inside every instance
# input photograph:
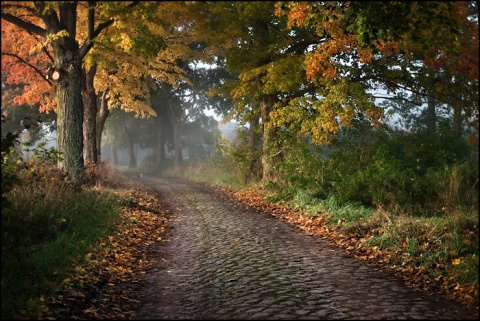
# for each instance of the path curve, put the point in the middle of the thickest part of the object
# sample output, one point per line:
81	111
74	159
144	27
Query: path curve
224	261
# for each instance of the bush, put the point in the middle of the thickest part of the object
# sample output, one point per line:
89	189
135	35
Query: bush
247	166
453	186
404	170
11	158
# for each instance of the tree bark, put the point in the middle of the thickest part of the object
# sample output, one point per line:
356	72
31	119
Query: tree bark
269	133
102	115
68	64
177	138
160	142
89	117
69	108
252	148
431	114
457	118
132	161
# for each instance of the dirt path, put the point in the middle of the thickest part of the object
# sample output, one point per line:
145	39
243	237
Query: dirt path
224	261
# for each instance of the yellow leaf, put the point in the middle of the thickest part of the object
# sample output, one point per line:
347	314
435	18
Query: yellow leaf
456	261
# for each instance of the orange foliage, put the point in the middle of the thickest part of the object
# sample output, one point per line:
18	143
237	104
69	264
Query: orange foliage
465	62
328	21
18	45
298	13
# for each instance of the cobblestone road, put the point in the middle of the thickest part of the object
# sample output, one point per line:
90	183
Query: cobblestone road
224	261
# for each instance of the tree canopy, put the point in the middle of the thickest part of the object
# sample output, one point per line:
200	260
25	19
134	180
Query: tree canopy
312	68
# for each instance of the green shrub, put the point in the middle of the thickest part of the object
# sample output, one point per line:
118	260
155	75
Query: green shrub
245	164
453	186
406	170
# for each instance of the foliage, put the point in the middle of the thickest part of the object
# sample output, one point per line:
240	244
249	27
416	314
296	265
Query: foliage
355	55
15	156
15	116
221	156
10	159
396	170
19	63
245	164
299	156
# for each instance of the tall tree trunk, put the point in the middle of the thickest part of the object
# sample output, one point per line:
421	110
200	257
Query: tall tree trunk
67	60
457	118
177	125
177	138
269	133
102	115
431	114
89	117
160	142
69	108
252	148
113	151
132	161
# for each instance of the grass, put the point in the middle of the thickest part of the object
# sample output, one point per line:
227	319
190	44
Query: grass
47	227
207	172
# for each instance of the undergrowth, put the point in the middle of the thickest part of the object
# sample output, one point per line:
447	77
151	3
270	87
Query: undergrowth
47	226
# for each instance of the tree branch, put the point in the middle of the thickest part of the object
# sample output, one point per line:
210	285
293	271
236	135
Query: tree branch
30	27
416	103
45	51
91	19
49	17
28	64
88	44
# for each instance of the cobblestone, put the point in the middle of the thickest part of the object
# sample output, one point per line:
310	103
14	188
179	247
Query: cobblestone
222	261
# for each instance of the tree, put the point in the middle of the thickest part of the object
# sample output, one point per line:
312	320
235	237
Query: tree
141	53
416	46
266	58
60	34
